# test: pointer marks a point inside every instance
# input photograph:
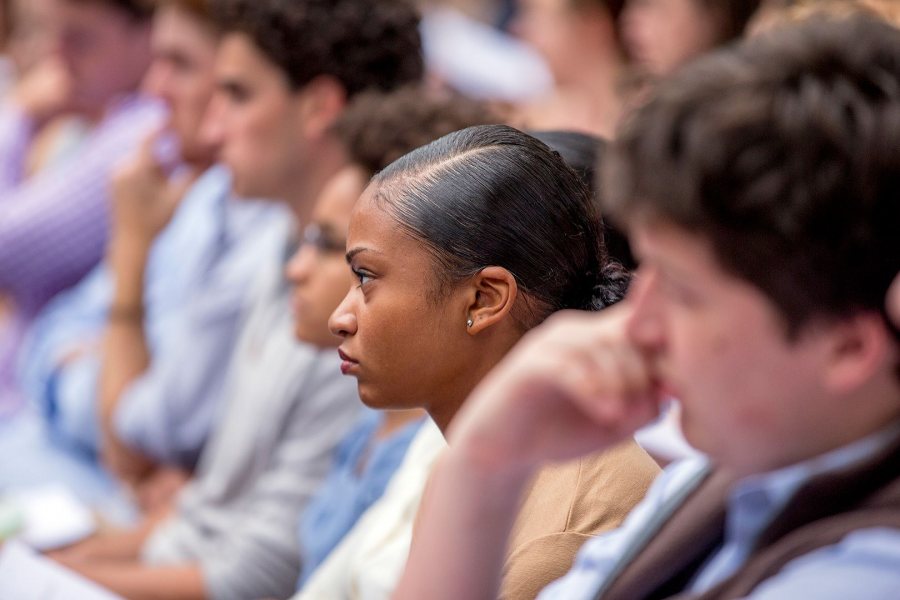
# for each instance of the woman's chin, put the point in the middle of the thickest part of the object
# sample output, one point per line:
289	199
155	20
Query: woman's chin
376	399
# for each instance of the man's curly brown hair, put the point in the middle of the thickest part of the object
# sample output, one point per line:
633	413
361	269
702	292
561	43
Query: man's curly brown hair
362	43
378	128
139	10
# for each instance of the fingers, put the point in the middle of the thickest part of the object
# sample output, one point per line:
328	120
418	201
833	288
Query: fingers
576	385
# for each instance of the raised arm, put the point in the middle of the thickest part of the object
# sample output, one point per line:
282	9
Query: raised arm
144	200
53	225
571	387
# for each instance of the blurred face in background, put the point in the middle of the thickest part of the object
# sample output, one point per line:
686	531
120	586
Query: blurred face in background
182	75
104	50
257	120
661	35
563	33
318	270
28	26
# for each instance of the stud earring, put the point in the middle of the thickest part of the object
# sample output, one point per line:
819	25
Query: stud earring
469	323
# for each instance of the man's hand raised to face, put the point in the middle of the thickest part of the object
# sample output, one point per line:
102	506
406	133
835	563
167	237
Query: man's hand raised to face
572	386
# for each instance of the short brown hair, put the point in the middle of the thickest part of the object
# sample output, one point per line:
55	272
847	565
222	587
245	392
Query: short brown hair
734	16
782	153
364	44
198	8
139	10
378	128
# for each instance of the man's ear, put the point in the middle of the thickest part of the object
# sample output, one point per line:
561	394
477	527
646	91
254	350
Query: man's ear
322	100
491	296
860	347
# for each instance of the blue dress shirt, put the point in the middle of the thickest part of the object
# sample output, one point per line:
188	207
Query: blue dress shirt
865	564
198	276
348	491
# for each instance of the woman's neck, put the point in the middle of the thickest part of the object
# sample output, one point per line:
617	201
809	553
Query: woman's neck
486	354
394	420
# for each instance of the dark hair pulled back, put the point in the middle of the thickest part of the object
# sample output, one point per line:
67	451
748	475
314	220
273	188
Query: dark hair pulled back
491	195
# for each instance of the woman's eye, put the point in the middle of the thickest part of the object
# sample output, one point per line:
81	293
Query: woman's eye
363	276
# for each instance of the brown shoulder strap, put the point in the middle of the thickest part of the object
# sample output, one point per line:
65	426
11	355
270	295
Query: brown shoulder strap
821	514
688	533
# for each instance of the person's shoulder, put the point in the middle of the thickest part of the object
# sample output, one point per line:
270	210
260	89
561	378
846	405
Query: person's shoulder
863	564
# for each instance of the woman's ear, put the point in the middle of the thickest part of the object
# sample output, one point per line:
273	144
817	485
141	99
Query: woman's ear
492	294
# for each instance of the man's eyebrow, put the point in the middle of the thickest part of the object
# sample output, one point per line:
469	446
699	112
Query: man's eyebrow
230	84
327	228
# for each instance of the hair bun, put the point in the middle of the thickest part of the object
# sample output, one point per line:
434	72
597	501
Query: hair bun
611	286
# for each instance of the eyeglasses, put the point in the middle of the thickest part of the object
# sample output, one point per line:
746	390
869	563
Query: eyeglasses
321	240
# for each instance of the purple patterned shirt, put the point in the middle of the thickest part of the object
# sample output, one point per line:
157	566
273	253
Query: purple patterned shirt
54	225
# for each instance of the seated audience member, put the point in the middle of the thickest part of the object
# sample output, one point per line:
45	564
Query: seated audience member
375	130
759	187
451	246
31	43
233	531
661	35
270	119
195	273
53	225
580	42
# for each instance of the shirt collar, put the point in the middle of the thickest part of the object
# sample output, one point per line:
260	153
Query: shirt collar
779	486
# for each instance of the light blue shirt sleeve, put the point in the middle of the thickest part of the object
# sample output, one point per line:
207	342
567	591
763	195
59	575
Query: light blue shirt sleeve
169	411
60	362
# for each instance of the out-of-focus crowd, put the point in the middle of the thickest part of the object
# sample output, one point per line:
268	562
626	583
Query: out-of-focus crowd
257	256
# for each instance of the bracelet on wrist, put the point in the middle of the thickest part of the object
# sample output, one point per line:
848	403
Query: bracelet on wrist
130	314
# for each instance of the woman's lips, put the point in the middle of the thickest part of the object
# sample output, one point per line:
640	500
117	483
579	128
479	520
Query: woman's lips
347	363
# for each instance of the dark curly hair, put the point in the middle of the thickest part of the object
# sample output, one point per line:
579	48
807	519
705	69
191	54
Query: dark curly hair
139	10
378	128
362	43
734	16
198	8
782	153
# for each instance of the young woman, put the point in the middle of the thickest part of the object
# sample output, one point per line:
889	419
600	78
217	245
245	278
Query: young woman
374	131
459	248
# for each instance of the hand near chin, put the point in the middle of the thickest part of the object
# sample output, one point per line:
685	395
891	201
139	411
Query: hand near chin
145	197
45	91
573	386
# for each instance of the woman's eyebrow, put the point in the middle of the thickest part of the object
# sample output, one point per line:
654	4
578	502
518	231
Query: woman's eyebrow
354	251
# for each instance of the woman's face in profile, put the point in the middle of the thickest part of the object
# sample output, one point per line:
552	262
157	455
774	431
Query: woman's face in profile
318	270
404	342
